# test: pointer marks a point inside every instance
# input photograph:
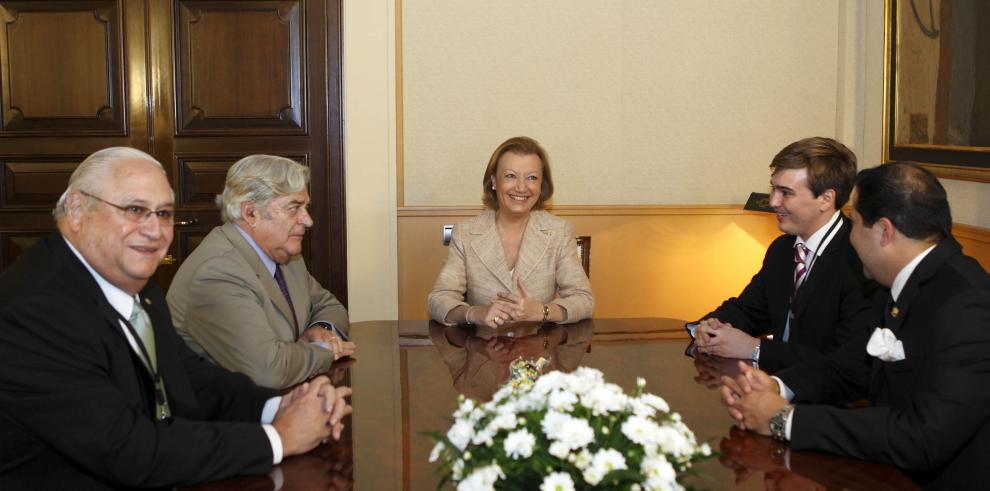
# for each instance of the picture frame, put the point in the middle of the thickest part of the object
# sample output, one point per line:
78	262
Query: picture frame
937	86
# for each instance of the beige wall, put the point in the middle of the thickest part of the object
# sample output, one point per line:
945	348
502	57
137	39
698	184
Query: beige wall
637	101
627	96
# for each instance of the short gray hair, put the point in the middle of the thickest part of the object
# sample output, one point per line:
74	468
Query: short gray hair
260	179
93	174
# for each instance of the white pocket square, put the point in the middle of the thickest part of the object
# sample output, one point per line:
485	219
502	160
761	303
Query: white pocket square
884	345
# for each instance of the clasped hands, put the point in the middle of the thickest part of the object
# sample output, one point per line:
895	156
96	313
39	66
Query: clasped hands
507	308
504	349
752	398
717	338
330	340
311	413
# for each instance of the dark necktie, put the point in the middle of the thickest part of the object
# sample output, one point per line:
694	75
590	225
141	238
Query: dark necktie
280	279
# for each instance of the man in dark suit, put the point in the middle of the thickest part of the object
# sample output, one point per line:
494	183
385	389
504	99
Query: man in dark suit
925	369
810	294
96	389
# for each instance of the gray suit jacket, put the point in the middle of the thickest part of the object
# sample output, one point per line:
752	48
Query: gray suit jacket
548	265
228	307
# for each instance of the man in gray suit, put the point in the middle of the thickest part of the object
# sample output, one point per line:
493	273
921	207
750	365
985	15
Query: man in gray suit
244	298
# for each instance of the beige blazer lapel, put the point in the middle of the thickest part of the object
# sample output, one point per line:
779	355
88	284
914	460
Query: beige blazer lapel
267	279
535	242
487	244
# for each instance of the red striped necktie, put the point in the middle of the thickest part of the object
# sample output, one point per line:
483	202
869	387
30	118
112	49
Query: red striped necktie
800	267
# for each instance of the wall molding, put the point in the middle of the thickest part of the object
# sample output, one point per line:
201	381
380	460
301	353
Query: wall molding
971	232
586	210
960	230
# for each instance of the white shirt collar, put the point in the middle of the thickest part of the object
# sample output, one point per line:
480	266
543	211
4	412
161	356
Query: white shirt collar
120	300
815	243
267	261
902	276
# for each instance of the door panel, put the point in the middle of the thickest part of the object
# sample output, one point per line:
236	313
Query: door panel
197	84
240	67
61	66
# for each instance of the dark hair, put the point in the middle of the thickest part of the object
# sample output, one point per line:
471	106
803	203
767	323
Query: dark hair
907	195
830	165
520	145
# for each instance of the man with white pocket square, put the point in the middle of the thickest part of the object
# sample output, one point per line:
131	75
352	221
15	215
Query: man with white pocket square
925	368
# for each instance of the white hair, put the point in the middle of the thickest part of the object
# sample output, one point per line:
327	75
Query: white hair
93	174
260	179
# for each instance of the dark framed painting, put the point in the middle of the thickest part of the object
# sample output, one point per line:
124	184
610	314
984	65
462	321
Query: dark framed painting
937	86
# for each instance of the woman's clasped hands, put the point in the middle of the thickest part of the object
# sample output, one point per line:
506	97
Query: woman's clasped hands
507	308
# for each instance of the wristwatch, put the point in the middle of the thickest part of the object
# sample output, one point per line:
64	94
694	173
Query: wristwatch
778	423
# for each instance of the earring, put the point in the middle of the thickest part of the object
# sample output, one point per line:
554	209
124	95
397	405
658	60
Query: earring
493	187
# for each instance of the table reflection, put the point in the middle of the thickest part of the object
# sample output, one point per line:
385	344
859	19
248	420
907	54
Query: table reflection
481	359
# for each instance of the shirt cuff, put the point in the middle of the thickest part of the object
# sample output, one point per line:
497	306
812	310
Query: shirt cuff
330	327
785	391
690	328
267	416
276	442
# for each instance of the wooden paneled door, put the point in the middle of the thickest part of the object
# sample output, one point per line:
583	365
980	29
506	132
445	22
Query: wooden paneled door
196	83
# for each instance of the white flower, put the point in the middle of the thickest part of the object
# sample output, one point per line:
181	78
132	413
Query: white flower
460	434
435	453
505	420
583	380
577	433
549	382
482	479
467	405
592	475
605	399
562	400
458	469
582	459
640	383
674	442
484	437
641	430
609	459
706	449
553	422
657	469
642	409
519	444
559	450
573	432
656	402
557	481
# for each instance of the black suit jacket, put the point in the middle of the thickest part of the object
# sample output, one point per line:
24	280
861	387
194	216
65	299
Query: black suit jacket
830	308
929	413
76	404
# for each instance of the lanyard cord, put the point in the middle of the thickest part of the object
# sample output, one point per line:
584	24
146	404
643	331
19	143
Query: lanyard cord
814	256
162	410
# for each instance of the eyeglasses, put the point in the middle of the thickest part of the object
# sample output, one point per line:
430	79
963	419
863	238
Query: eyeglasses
138	213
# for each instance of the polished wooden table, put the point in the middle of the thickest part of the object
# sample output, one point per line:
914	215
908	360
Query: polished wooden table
404	385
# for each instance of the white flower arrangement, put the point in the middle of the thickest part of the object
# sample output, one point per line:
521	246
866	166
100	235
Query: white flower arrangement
566	432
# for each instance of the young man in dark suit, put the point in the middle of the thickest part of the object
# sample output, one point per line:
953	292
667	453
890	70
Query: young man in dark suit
810	295
96	389
925	368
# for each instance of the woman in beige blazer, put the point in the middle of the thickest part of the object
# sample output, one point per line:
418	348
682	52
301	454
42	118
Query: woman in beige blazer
514	262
